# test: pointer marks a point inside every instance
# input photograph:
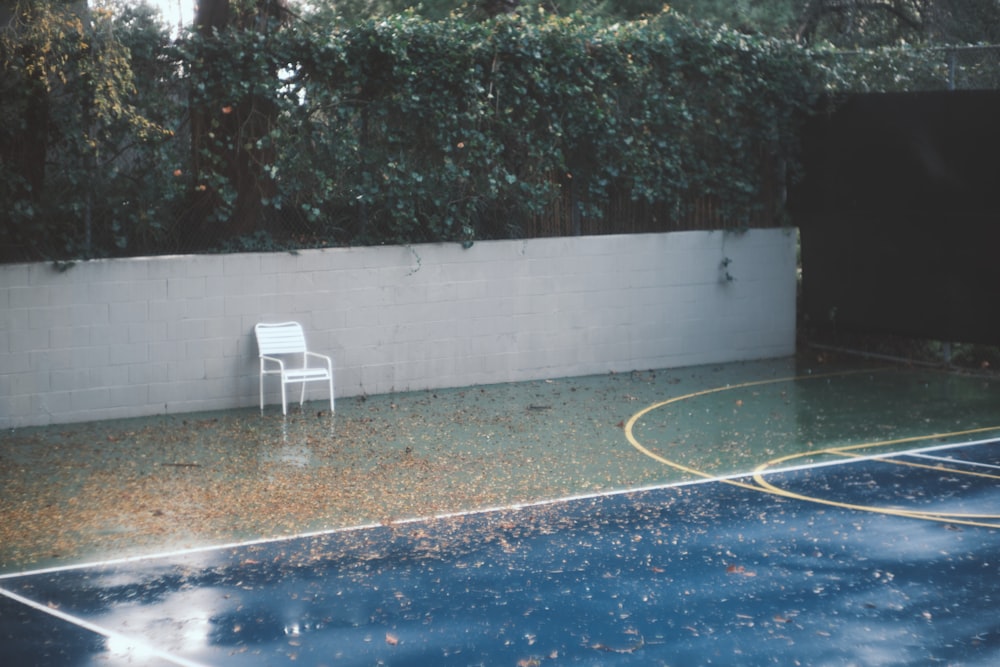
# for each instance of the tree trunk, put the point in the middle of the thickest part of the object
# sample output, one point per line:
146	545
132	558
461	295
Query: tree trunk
225	131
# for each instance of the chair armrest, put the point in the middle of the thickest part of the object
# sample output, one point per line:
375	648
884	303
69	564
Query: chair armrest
328	360
281	364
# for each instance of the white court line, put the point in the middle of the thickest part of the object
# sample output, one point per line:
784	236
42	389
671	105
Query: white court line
141	646
879	456
490	510
958	462
145	648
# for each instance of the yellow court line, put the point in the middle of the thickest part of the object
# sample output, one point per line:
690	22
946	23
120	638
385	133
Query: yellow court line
883	443
940	467
958	519
965	518
944	517
760	484
630	424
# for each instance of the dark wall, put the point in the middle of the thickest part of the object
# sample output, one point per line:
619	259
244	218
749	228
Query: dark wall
899	214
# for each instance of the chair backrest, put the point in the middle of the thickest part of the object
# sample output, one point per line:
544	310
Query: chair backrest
280	338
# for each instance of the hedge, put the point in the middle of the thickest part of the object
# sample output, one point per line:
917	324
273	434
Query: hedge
402	130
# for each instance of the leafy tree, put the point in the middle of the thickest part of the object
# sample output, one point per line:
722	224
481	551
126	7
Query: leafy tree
69	130
277	127
770	17
842	23
234	66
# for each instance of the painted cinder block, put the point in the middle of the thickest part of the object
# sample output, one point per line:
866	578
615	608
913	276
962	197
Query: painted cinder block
22	341
108	291
175	333
121	313
54	402
27	296
186	287
128	353
203	307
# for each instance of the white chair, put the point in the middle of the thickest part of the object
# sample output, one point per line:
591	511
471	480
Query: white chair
281	346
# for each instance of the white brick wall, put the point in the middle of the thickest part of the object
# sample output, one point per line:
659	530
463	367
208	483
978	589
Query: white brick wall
120	338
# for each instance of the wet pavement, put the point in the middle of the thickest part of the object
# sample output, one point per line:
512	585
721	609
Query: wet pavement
823	545
708	573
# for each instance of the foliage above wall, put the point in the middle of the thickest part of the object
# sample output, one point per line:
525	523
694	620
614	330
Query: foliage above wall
276	130
71	167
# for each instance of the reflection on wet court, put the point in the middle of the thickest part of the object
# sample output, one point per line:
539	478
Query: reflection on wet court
747	514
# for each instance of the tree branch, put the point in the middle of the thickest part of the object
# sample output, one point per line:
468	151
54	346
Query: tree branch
817	10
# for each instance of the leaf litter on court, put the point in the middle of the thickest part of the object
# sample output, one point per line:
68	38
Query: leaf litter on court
130	486
108	489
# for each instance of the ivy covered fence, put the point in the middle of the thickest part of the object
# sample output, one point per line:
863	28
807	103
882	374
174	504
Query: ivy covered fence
288	133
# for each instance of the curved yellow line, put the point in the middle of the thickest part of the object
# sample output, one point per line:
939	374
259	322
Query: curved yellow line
845	452
760	484
937	468
969	520
630	424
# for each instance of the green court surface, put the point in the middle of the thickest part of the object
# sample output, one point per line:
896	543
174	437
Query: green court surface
83	492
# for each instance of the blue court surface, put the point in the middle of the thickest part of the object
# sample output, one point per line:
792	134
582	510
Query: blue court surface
870	560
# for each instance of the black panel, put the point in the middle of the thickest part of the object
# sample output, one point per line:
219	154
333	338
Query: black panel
900	216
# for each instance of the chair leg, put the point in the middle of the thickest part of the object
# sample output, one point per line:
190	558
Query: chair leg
302	396
284	401
331	395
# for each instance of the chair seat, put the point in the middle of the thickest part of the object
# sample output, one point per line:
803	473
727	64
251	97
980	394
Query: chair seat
304	373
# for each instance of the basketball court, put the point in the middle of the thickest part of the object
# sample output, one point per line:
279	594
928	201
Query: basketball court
823	516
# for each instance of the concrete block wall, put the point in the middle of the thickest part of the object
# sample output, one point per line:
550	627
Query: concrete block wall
131	337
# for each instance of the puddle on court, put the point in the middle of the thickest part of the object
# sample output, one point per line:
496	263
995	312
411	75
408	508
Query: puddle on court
80	492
